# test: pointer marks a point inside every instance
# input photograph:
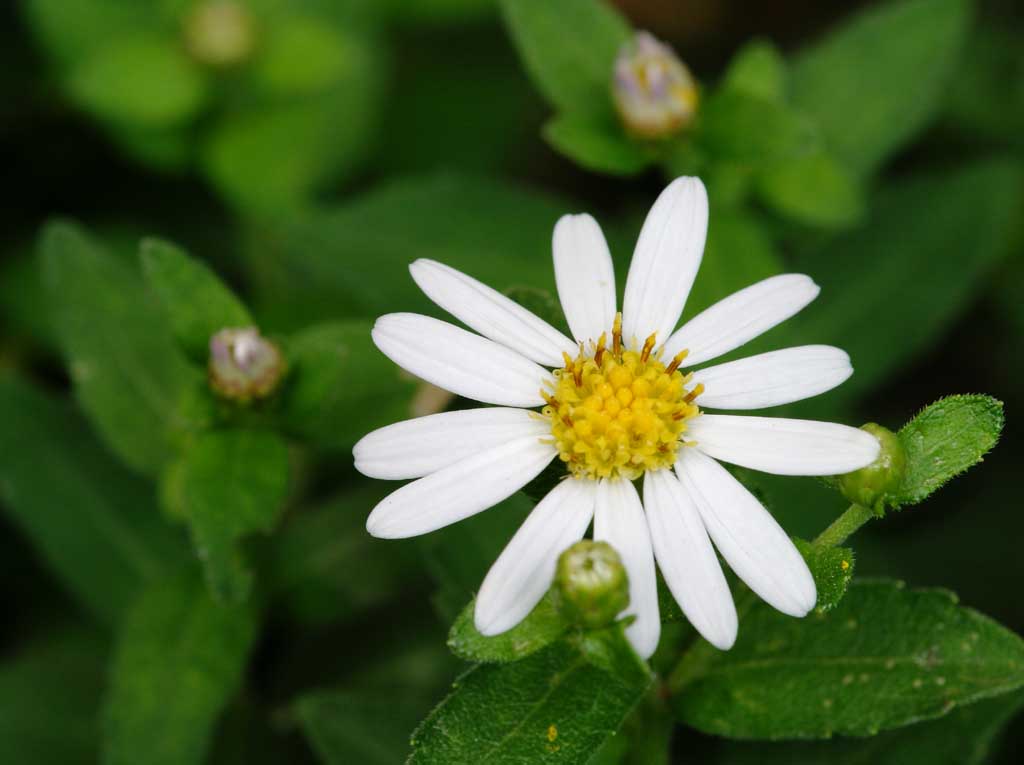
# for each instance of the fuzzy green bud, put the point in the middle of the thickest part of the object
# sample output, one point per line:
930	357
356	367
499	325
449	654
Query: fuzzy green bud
591	584
244	365
876	485
654	93
220	33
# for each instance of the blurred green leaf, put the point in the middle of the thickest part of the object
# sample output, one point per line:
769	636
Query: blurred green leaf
734	125
944	440
569	49
556	705
341	387
313	557
596	145
542	626
179	660
360	726
884	657
352	260
832	568
893	285
139	79
196	301
304	55
228	484
877	80
987	93
71	31
965	736
94	523
50	693
130	377
759	70
812	189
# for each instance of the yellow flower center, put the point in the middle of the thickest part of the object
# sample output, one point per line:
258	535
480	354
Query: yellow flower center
616	413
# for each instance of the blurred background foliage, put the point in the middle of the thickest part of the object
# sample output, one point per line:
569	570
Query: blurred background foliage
307	151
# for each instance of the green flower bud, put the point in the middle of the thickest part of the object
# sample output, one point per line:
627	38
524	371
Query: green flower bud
244	365
876	485
654	92
591	584
220	33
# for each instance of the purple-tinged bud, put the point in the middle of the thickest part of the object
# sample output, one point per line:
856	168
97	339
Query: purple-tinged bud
244	365
654	92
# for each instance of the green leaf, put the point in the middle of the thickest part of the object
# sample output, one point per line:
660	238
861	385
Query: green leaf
736	126
556	705
312	559
94	523
49	695
944	440
832	568
877	80
541	627
360	726
230	483
130	377
884	657
142	80
196	301
952	226
759	70
596	145
963	737
305	55
179	660
569	49
812	189
341	387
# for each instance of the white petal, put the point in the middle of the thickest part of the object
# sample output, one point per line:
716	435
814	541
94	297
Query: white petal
619	521
783	446
459	361
424	445
750	540
687	559
524	570
741	317
665	261
491	314
460	490
584	275
773	378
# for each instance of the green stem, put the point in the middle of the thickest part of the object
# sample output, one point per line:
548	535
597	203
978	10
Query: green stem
843	526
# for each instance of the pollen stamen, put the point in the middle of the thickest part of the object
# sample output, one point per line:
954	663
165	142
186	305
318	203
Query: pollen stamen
677	360
599	350
617	336
648	347
697	390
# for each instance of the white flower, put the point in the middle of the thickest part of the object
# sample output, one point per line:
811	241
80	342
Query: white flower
617	407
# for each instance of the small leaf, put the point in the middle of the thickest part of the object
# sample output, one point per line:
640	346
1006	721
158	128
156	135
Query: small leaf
569	50
555	705
179	659
759	70
599	146
197	302
341	387
140	79
130	377
542	626
884	657
832	568
946	439
812	189
230	483
93	522
877	80
736	126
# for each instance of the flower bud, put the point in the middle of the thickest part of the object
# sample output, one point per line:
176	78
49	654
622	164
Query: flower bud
220	33
654	92
591	583
876	485
243	364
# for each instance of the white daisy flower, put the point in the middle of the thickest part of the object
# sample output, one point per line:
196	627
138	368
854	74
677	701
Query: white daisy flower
616	404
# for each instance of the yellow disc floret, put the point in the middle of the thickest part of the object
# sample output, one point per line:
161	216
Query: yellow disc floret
616	413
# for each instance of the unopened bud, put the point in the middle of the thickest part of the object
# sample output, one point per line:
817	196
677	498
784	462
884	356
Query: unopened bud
244	365
654	92
220	33
875	486
591	583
